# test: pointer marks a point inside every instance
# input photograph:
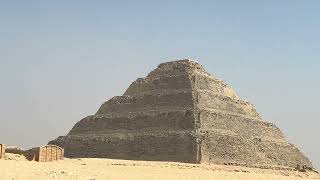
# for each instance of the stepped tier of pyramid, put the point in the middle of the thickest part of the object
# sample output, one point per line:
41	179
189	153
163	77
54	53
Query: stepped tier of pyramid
179	112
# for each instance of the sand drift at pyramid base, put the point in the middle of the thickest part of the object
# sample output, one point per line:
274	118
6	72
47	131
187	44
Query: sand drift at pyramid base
179	112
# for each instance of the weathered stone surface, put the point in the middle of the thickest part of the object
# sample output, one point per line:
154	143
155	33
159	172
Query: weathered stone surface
179	112
163	146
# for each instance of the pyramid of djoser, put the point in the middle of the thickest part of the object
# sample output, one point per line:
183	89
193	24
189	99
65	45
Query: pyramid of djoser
179	112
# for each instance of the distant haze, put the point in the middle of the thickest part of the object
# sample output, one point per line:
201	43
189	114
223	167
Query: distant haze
60	60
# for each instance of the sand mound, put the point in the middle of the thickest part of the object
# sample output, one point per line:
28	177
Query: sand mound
15	157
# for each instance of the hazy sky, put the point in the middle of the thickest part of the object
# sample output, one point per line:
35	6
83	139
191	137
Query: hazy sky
60	60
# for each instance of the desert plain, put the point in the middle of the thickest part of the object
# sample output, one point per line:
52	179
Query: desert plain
16	167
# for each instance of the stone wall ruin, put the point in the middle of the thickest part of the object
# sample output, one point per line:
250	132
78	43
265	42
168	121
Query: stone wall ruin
2	150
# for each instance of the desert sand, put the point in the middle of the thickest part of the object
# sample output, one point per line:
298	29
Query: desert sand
17	168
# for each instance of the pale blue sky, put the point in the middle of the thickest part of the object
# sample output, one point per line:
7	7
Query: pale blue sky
59	60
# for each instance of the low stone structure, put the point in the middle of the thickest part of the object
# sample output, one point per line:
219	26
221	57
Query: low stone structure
2	150
15	150
179	112
45	153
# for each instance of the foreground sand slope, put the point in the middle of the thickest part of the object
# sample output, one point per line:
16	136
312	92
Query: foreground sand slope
92	169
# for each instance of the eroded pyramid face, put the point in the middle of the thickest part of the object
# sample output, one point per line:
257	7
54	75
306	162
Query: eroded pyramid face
179	112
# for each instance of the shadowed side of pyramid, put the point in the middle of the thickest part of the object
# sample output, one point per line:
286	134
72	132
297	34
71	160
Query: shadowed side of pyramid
179	112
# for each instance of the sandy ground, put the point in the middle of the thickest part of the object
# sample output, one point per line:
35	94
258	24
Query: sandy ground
17	168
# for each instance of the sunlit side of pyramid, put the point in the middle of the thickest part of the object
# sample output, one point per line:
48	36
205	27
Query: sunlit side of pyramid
181	113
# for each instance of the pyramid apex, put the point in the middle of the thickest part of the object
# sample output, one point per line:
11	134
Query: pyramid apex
187	61
177	67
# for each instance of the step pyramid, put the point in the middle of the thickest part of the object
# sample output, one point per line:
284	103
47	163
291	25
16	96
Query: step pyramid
179	112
